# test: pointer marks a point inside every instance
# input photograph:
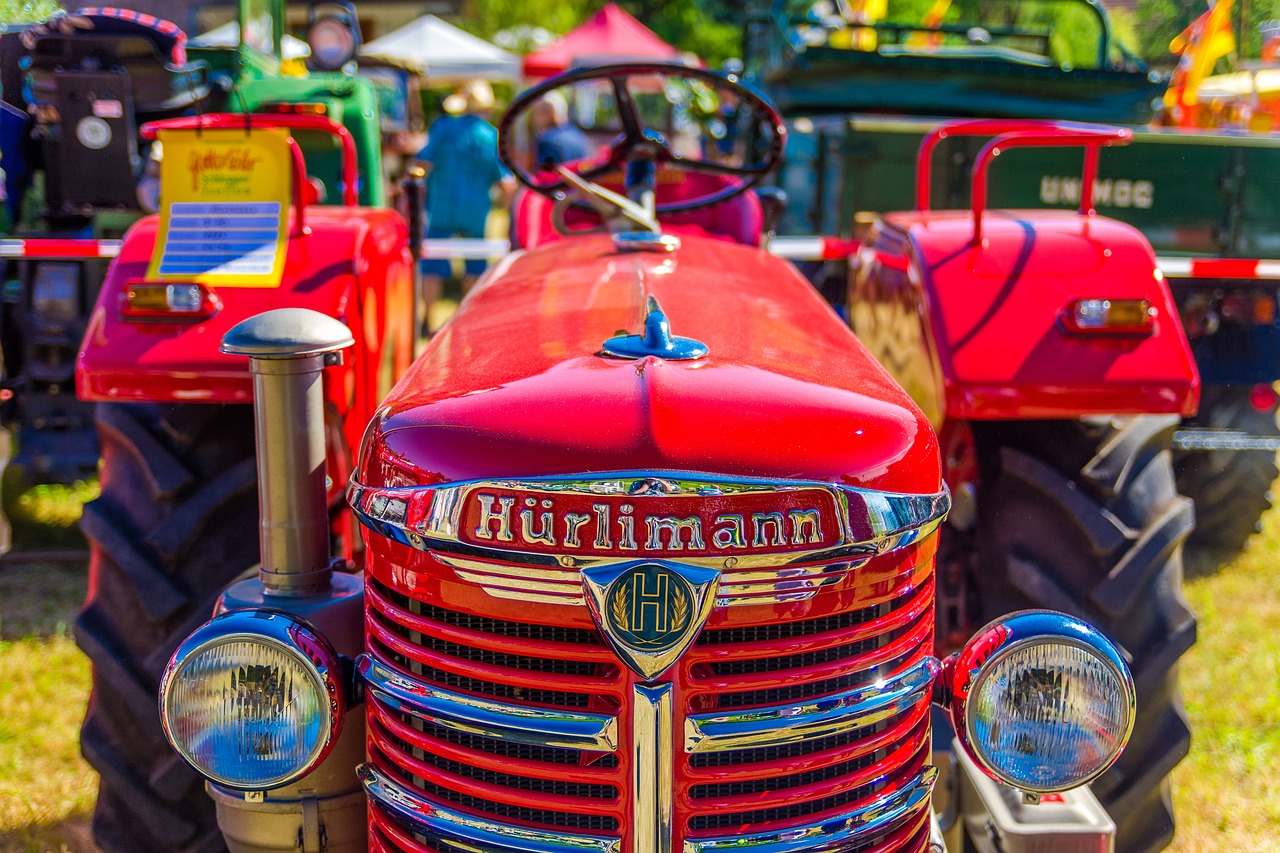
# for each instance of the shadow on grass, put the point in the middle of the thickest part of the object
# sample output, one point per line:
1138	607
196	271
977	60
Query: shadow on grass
71	835
39	599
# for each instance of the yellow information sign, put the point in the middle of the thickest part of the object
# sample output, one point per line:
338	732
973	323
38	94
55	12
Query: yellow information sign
224	207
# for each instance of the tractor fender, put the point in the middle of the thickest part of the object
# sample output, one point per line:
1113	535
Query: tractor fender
981	329
353	264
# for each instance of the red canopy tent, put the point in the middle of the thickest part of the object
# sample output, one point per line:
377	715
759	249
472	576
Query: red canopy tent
611	35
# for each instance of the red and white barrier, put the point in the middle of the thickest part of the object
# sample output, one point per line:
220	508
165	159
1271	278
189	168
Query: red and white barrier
805	248
48	249
1241	268
792	248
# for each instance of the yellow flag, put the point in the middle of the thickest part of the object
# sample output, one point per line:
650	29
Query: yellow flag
1216	41
936	13
1202	44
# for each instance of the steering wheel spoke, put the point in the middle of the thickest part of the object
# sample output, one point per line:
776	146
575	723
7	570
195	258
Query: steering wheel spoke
669	115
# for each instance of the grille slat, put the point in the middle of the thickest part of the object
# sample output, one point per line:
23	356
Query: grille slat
484	625
577	820
515	781
478	686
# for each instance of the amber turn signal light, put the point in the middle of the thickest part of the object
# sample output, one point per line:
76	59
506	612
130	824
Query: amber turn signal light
162	301
1110	317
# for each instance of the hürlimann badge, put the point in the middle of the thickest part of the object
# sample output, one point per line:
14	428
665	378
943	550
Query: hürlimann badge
650	611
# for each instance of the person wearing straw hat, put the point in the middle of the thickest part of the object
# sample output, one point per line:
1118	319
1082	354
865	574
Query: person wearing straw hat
462	166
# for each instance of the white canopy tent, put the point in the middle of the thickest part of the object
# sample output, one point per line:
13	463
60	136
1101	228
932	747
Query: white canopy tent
446	52
228	35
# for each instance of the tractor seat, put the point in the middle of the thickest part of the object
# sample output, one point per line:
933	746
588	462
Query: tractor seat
152	51
739	219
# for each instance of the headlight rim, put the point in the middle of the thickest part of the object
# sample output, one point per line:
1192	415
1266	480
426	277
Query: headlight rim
284	631
1014	632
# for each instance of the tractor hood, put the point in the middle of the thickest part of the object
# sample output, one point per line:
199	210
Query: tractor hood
515	386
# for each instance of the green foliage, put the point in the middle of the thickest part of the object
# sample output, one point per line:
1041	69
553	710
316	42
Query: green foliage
1157	22
26	11
486	17
709	28
45	516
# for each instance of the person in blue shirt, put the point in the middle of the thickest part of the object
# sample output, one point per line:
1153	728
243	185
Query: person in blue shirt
462	166
557	141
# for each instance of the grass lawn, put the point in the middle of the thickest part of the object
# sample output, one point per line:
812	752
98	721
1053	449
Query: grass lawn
46	789
1227	792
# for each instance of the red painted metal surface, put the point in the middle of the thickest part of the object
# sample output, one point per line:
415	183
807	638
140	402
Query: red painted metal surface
513	386
353	265
983	322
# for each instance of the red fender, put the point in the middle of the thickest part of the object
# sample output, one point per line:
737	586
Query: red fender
973	311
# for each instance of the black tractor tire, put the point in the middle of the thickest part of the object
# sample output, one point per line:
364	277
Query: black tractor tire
1085	518
177	520
1231	488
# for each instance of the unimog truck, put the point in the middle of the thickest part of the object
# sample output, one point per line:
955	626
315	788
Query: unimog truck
649	551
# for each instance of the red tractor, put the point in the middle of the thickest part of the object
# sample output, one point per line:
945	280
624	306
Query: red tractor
649	553
178	515
1047	352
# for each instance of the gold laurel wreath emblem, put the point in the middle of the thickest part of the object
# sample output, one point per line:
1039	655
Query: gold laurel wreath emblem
680	608
620	612
620	608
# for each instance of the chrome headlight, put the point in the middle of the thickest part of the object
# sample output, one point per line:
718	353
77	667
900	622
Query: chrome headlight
55	291
253	700
1041	701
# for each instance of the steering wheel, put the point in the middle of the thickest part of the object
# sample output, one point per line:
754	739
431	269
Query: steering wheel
636	144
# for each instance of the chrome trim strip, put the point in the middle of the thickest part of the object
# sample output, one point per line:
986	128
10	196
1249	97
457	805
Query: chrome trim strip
468	832
893	520
653	769
514	723
853	709
564	586
833	834
518	573
783	574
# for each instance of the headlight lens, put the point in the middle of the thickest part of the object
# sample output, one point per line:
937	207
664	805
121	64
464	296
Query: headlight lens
55	292
1049	703
252	700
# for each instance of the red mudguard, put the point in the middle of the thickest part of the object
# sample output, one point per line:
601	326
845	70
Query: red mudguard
348	262
971	310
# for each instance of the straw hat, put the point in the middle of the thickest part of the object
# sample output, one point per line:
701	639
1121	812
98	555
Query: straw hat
474	97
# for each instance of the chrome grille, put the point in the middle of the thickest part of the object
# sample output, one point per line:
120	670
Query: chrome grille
486	732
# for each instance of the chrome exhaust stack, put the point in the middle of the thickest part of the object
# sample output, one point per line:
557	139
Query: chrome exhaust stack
288	350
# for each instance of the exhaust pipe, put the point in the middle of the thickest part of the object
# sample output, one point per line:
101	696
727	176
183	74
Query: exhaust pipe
288	350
